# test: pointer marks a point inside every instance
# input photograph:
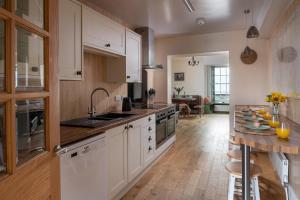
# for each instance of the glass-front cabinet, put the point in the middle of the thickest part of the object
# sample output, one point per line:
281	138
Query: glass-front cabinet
24	92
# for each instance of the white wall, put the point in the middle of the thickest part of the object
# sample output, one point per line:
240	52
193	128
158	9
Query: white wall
195	81
249	83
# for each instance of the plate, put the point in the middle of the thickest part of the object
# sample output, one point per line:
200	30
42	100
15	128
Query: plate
248	118
261	127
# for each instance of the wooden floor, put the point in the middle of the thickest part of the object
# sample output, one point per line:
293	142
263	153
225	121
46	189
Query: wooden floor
194	167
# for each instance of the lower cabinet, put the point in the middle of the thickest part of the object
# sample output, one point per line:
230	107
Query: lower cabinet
131	148
135	153
117	159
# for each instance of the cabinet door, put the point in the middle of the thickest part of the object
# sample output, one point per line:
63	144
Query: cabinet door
117	159
135	154
70	43
133	57
100	32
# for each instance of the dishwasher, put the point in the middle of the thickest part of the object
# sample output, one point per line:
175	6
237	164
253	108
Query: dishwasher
83	168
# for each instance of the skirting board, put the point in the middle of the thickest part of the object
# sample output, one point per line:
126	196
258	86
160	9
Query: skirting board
158	154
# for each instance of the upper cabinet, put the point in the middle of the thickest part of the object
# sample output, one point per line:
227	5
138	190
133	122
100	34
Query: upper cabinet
70	40
133	57
102	33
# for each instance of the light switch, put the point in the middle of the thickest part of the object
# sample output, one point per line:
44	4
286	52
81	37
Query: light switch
119	98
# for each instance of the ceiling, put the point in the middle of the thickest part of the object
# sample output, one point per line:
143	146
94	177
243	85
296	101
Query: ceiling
171	17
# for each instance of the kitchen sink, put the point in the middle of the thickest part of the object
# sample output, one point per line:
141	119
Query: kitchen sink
112	116
98	120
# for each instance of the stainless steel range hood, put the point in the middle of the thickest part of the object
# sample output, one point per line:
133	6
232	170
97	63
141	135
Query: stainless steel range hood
148	48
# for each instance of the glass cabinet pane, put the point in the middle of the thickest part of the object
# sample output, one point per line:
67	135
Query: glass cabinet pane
30	61
31	10
30	129
2	56
2	141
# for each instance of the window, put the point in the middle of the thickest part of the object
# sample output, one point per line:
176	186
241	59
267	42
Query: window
220	88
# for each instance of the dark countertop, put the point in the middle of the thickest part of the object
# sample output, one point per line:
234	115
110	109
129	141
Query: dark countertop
69	134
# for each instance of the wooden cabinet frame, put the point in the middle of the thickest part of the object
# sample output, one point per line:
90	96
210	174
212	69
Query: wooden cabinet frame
15	174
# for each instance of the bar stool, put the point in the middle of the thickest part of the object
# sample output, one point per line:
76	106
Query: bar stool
235	171
236	155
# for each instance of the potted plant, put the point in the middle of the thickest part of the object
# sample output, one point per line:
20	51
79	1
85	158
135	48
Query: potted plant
178	89
276	98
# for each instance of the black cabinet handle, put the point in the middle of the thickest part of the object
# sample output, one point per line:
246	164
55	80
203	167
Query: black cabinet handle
150	148
130	126
126	127
150	138
127	77
149	119
79	73
149	129
107	45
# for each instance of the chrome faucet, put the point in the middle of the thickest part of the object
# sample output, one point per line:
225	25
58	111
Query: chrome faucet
92	109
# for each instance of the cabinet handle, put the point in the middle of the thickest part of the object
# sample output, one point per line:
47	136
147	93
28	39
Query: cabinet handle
130	126
149	119
79	73
149	129
150	148
127	77
150	138
126	127
107	45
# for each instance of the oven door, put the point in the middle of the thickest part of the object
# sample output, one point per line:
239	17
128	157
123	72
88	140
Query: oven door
171	125
161	131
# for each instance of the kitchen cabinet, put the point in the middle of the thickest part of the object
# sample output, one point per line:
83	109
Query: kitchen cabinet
117	159
135	152
70	40
149	140
102	33
127	69
130	147
133	57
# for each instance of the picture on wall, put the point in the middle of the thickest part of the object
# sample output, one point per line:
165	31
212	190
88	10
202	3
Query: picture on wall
179	76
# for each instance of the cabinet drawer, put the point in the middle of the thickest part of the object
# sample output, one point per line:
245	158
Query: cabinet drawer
146	121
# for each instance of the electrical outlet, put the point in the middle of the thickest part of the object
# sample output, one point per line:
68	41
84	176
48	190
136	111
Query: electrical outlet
119	98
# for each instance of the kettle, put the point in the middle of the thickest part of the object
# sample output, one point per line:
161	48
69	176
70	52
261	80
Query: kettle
126	105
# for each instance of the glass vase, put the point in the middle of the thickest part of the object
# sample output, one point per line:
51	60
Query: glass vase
276	109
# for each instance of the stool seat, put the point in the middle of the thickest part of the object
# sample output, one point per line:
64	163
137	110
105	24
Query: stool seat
235	168
232	141
237	154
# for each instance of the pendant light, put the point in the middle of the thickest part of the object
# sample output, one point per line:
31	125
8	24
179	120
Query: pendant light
252	31
193	62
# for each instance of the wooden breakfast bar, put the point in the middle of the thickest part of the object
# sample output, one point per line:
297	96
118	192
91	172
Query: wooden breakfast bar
261	140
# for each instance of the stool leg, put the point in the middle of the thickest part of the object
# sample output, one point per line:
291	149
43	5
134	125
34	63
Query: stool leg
231	188
256	188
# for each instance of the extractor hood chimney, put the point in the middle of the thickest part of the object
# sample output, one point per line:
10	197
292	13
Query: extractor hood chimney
148	53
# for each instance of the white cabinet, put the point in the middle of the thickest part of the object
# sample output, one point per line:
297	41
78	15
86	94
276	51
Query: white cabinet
133	57
117	159
149	140
130	148
126	69
70	40
135	152
102	33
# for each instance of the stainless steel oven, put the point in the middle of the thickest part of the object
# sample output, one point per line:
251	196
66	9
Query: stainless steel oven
171	122
161	127
165	125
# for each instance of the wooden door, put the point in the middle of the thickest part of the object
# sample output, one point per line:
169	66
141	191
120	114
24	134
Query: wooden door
117	159
29	101
134	146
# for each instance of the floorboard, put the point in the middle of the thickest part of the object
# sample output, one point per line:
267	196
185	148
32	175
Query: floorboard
194	167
